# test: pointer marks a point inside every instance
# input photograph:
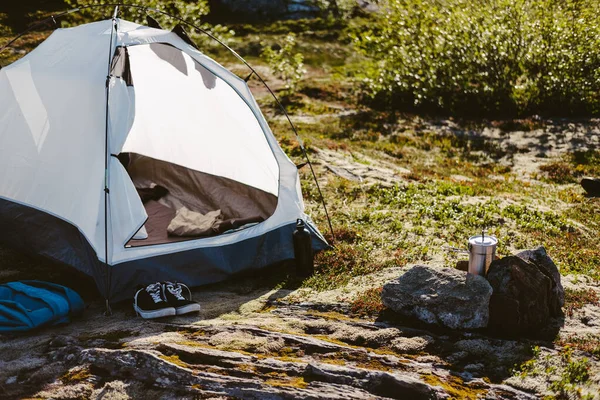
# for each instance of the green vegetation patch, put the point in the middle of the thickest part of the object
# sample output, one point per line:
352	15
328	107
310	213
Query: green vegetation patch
334	268
367	303
587	343
455	386
577	299
572	167
501	57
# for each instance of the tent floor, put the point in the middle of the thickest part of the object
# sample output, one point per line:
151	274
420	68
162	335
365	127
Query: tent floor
159	217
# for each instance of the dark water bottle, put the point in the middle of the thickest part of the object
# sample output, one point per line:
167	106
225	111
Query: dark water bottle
303	250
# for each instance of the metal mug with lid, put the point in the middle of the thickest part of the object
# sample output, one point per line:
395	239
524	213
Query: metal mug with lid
482	251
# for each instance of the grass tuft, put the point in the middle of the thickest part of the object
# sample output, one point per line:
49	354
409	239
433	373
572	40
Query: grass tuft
367	303
577	299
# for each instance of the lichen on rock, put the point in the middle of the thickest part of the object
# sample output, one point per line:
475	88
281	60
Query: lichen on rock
442	296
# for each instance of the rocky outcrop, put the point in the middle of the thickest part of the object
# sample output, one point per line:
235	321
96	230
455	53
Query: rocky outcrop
442	296
520	303
544	263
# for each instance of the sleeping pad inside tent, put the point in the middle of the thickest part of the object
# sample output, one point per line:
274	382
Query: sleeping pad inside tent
154	163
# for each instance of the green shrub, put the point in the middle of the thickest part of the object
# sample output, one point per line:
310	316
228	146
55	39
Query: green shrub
478	57
190	11
287	64
338	9
4	30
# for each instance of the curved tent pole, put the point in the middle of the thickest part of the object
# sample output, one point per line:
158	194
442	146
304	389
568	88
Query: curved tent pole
213	37
36	25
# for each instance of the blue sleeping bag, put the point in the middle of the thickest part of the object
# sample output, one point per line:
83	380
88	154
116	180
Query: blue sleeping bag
27	305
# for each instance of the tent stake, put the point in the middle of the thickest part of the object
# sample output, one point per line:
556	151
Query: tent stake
108	311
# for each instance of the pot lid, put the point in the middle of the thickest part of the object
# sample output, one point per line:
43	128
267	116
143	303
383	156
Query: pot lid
483	240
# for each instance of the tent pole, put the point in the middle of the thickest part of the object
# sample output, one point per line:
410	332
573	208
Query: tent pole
113	25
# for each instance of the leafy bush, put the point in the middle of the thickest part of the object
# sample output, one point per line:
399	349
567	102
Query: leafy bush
559	172
485	57
572	167
577	299
287	64
4	30
338	9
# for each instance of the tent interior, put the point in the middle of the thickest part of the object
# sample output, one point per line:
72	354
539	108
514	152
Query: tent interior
193	143
165	188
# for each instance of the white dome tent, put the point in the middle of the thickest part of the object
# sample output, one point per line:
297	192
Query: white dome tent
80	141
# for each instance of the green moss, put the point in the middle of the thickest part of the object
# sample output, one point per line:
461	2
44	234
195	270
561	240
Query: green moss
282	380
174	359
455	387
193	343
76	375
363	360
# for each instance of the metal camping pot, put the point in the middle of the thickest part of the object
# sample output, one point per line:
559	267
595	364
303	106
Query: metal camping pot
482	251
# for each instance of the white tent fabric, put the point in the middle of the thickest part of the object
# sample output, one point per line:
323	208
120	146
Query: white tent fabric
52	134
204	126
52	128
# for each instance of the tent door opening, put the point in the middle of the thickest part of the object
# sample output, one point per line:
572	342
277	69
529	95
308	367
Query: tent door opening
194	149
167	189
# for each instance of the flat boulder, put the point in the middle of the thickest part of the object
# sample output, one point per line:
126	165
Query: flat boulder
442	296
520	303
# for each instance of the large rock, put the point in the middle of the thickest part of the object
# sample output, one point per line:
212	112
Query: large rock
540	259
441	296
520	302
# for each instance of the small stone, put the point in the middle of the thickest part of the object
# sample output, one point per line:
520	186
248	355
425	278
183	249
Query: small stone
410	345
460	178
474	367
442	296
11	380
456	357
591	186
62	341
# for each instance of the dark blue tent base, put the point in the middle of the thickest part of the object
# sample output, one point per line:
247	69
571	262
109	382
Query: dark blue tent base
32	230
207	265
